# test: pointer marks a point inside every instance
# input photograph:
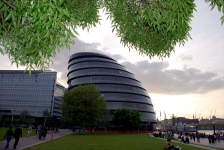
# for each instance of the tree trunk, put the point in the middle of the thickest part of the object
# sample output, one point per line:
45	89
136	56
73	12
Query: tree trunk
45	121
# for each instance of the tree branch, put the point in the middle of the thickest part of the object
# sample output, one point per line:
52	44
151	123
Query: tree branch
7	33
8	3
3	25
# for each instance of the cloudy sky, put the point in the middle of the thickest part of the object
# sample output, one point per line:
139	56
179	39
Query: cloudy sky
189	82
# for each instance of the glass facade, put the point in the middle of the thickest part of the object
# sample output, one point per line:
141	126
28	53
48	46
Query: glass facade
58	93
117	85
33	92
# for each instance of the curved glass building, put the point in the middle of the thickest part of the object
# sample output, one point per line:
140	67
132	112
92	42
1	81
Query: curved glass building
119	87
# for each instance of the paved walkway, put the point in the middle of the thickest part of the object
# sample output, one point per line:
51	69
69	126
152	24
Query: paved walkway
204	144
31	141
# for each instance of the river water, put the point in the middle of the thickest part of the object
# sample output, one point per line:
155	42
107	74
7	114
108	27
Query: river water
209	131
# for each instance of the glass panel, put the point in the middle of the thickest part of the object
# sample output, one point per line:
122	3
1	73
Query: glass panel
90	59
132	106
100	71
127	98
105	80
84	65
20	91
121	88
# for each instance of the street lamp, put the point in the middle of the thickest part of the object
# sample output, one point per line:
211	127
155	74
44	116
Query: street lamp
196	127
12	113
214	126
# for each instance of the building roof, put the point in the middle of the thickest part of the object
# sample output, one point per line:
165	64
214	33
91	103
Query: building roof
58	84
23	71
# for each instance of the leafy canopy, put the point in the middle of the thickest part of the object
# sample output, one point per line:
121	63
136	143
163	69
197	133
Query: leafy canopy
127	118
83	106
24	117
32	31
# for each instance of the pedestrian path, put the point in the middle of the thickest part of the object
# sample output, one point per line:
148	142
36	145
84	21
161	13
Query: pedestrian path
31	141
204	144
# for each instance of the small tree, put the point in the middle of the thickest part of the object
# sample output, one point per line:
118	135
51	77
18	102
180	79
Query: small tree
24	117
105	123
46	115
4	119
127	118
83	106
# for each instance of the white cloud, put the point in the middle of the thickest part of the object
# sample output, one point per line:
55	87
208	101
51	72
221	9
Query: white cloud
158	79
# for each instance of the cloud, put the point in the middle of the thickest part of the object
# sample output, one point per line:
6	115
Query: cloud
183	58
155	76
60	61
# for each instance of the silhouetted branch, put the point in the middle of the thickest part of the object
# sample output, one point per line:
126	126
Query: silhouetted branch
9	4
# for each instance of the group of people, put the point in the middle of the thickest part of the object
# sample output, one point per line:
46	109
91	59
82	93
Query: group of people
214	137
197	136
17	133
168	146
170	134
193	136
41	132
185	138
161	134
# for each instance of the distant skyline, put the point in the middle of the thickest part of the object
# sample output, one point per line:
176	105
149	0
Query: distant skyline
190	82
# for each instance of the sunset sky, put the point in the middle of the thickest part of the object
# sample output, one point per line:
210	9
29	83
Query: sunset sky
190	82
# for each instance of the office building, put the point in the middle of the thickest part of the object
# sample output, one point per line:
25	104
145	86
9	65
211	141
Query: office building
117	85
58	93
33	92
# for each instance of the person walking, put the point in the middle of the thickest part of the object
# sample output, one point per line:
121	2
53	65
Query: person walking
29	131
193	135
44	132
218	137
40	132
37	131
17	135
209	138
198	137
52	133
215	137
8	136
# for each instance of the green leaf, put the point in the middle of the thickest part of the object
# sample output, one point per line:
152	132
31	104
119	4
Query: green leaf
1	50
7	17
222	20
152	29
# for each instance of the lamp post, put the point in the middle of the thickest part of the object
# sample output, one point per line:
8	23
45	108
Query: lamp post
12	113
214	126
196	127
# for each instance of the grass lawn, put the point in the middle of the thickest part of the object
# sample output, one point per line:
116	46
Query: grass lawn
100	141
24	132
